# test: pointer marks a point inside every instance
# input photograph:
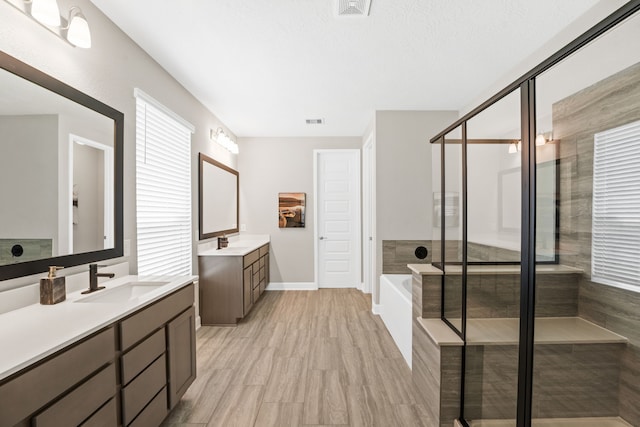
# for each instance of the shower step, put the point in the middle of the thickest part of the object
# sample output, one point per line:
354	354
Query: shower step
557	422
549	330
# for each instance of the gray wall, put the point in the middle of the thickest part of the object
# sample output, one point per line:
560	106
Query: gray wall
34	216
267	167
403	176
109	72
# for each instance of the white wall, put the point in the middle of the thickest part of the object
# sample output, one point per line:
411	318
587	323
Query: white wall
403	175
269	166
109	72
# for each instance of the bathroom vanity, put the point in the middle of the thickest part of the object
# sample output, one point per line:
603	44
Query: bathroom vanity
121	356
232	280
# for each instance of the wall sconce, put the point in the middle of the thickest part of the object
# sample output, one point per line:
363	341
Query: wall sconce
543	138
515	147
223	139
74	29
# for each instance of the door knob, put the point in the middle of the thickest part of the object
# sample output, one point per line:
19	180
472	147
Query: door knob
322	238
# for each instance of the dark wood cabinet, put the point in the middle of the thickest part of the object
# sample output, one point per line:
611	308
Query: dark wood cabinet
130	373
181	337
70	373
231	285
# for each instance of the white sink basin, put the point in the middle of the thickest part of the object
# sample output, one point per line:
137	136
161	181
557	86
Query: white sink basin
123	293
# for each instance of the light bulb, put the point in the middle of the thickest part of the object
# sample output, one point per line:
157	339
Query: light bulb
78	32
46	12
540	140
513	148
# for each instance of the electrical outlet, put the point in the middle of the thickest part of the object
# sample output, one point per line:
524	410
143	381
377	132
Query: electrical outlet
243	227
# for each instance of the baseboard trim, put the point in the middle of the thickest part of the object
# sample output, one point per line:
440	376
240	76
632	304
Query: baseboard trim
292	286
376	308
198	322
338	287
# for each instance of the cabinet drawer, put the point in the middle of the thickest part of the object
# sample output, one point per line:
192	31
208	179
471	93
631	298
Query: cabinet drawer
141	390
142	355
107	416
76	406
147	320
50	379
264	250
255	281
251	257
263	286
261	274
256	293
154	413
261	262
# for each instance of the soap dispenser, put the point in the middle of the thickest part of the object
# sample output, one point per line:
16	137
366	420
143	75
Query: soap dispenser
52	288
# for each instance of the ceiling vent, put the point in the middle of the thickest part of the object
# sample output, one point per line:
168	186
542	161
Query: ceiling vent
353	7
315	121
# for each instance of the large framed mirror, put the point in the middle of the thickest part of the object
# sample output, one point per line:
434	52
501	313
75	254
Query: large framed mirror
219	198
61	172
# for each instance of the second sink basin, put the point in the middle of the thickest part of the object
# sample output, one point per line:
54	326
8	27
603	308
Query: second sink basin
123	293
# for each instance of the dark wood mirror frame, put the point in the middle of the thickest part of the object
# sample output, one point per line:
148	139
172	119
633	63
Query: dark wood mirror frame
202	159
11	271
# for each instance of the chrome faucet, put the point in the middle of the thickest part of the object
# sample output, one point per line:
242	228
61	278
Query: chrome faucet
93	278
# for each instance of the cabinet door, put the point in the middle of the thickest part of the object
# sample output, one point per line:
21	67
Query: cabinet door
266	269
181	346
247	287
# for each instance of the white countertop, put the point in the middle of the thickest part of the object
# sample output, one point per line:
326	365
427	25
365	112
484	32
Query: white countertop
239	247
36	331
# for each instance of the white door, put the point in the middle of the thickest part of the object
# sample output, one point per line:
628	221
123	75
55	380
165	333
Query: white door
368	214
337	210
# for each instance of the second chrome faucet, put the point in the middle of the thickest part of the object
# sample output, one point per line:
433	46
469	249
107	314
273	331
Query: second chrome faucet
93	278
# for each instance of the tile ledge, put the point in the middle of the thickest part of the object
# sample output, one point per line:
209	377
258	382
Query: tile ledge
440	333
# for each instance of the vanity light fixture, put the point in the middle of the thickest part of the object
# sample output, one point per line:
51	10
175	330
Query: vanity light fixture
223	139
78	32
515	147
74	29
46	12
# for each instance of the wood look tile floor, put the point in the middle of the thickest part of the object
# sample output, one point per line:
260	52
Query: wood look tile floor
301	358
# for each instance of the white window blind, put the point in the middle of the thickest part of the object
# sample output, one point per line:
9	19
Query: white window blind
616	207
163	189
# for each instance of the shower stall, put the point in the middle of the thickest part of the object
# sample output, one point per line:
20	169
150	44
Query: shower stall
537	236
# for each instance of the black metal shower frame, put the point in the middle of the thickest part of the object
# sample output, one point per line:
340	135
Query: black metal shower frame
526	85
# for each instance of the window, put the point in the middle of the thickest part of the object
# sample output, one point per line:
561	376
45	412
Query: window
616	207
163	189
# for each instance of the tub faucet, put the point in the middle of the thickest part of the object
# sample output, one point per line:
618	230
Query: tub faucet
93	278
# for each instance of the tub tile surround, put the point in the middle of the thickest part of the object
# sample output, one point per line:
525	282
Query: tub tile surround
396	254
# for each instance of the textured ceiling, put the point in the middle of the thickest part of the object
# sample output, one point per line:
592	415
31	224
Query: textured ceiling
263	67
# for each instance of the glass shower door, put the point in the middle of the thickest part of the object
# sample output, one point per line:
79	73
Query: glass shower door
587	329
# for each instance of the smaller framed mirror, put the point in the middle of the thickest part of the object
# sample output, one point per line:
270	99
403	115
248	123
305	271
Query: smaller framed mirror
218	198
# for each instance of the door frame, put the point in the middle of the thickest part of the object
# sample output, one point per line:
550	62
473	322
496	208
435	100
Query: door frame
369	214
108	159
316	222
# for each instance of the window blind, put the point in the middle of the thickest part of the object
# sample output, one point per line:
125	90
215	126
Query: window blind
616	207
163	190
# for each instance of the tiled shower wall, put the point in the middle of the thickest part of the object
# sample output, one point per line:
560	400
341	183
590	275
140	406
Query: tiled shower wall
607	104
